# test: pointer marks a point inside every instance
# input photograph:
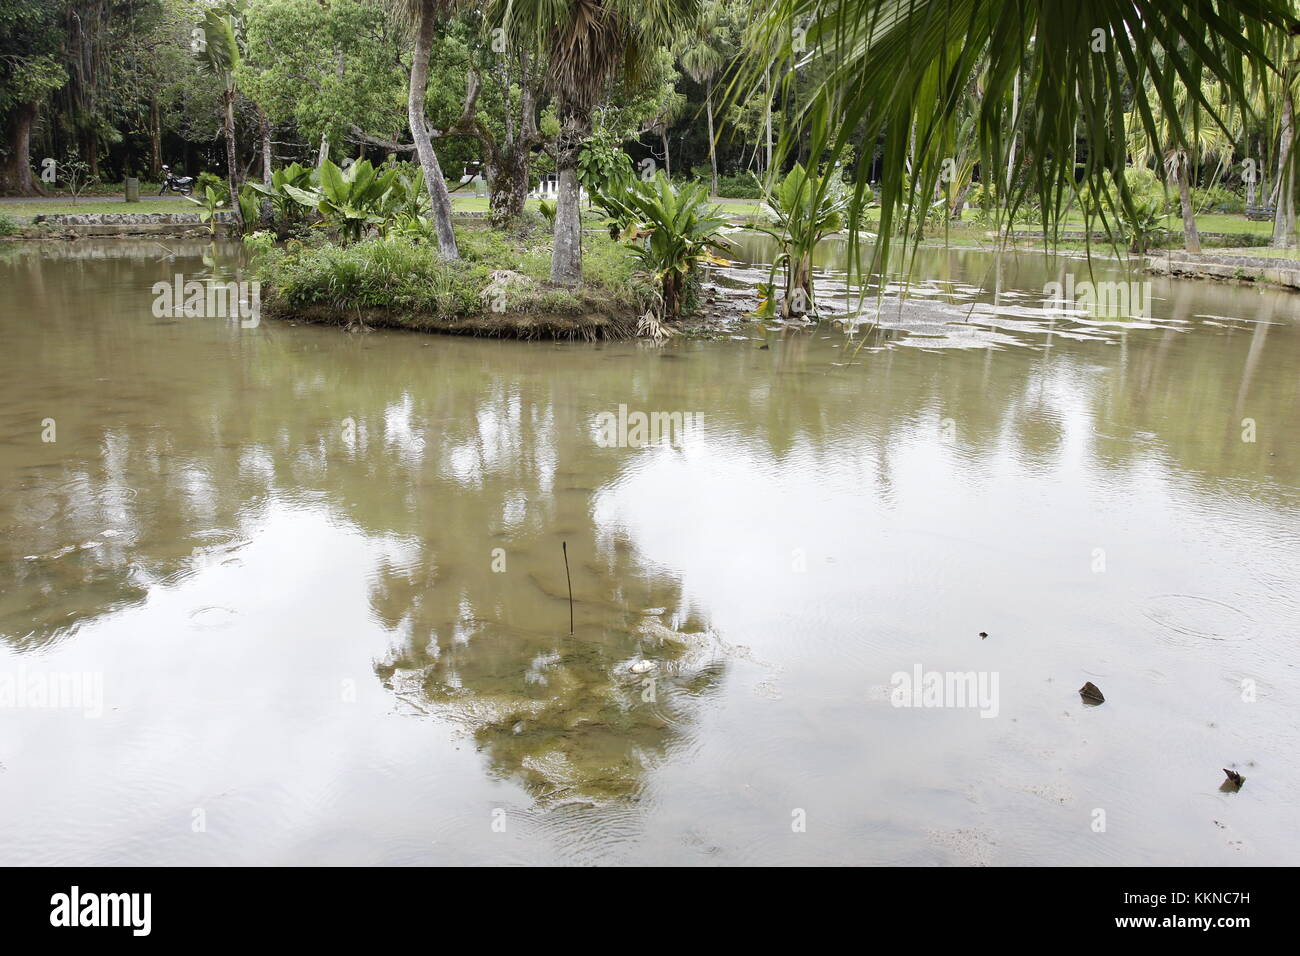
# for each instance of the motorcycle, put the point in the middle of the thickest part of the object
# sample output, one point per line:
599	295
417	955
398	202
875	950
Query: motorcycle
178	184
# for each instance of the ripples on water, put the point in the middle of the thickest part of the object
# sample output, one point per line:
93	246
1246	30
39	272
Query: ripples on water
321	576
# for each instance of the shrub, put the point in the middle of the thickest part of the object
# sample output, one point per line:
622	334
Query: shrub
408	278
217	183
1217	199
739	186
675	231
808	208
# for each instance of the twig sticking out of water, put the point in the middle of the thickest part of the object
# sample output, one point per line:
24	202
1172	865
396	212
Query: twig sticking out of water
564	546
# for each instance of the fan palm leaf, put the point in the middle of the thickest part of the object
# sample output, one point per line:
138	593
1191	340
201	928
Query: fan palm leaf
1057	72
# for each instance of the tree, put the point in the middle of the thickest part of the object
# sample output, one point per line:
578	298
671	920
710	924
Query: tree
358	88
422	13
1178	157
703	56
1283	88
29	72
218	54
503	86
587	43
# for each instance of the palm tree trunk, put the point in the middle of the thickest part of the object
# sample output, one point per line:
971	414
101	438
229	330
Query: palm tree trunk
155	138
959	201
1284	210
566	252
439	198
713	153
232	170
1191	237
264	129
767	93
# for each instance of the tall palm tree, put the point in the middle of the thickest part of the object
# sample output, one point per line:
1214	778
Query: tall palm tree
1283	90
1203	140
421	15
586	42
219	55
703	56
895	65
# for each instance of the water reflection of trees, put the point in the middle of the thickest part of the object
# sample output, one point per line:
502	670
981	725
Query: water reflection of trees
173	444
176	437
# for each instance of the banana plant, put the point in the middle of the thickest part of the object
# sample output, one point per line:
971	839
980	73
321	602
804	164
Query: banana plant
806	208
349	200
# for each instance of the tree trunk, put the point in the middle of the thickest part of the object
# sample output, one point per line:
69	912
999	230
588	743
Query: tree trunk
1011	153
17	175
439	198
959	201
663	138
155	138
798	297
767	93
1284	209
1191	237
509	186
713	153
264	128
566	254
232	170
92	156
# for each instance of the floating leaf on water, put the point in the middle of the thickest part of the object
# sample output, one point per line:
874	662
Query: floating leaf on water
1092	693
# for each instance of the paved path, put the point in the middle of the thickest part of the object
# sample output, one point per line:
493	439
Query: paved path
62	198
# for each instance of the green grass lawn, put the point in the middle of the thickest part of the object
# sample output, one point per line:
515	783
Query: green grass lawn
1206	222
470	203
1222	222
46	207
965	232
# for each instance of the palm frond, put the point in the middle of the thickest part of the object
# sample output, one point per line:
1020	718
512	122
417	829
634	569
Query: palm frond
1056	73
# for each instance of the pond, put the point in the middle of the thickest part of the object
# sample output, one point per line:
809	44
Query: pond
286	594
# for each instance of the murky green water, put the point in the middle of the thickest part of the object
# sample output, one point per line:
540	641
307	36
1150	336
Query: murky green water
318	578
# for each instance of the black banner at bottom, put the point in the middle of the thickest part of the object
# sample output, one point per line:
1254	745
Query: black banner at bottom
305	904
